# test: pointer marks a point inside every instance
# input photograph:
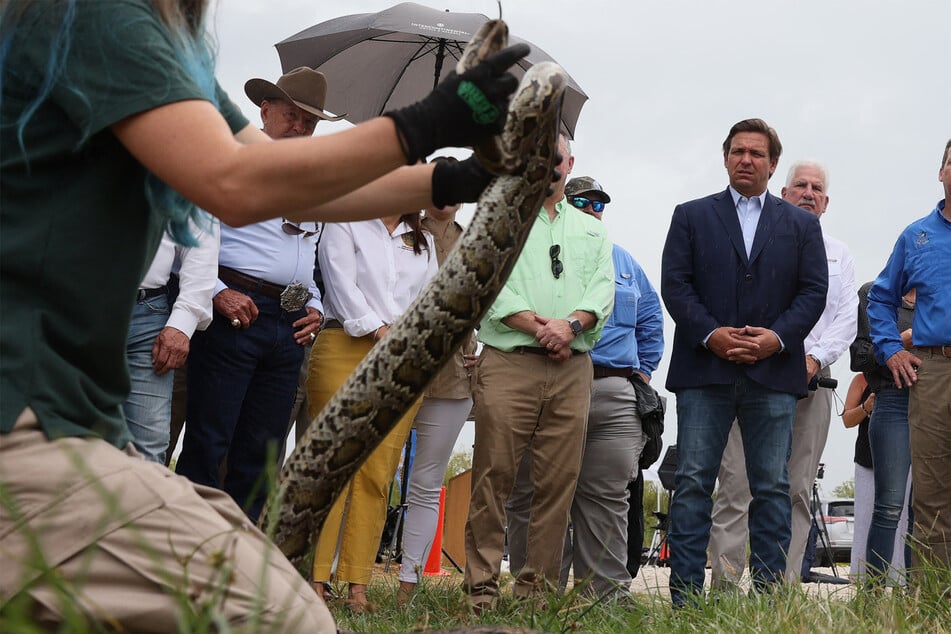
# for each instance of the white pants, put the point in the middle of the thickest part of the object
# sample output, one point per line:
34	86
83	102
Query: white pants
437	426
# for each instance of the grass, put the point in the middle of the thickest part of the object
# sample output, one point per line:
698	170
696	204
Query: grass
439	605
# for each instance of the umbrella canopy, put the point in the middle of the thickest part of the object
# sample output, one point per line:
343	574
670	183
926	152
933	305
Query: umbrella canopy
376	62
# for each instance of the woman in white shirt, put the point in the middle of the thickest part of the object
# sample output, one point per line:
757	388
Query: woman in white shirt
373	271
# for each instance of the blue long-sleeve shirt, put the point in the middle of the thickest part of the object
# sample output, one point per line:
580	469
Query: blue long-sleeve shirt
921	259
634	333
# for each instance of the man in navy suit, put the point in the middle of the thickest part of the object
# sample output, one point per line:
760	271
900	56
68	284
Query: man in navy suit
744	280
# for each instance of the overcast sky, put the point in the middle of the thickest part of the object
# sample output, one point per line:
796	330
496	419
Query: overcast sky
862	86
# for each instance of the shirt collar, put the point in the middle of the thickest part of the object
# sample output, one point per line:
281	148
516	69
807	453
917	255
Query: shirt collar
737	195
560	208
940	209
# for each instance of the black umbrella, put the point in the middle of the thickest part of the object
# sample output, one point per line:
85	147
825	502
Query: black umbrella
376	62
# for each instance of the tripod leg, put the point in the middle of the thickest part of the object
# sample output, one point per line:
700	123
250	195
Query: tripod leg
822	529
452	561
391	551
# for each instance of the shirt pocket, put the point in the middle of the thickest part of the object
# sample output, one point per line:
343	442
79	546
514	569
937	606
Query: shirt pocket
835	267
625	304
927	267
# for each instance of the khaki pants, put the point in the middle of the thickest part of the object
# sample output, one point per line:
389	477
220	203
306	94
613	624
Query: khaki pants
524	401
929	427
129	543
355	522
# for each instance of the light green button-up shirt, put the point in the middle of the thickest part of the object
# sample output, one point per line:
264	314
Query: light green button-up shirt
587	282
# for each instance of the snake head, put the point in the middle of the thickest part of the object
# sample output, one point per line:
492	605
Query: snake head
491	38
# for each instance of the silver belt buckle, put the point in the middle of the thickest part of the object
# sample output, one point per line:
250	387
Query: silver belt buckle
294	297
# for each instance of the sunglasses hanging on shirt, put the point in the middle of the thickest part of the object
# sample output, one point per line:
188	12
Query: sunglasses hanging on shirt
557	268
294	229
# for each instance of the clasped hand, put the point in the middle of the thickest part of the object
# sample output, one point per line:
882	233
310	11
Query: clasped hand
555	336
745	345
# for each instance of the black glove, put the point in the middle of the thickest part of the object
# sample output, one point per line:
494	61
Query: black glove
462	110
459	181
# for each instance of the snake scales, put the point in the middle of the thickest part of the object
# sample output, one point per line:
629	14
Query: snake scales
398	369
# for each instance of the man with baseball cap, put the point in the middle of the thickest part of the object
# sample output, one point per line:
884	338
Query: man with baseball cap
630	348
587	194
631	343
243	371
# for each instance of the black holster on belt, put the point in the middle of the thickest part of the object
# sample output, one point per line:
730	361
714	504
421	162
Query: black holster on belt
650	408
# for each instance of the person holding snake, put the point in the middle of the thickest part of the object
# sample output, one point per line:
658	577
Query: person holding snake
113	129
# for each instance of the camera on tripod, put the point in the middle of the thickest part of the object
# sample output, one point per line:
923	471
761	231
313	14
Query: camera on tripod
821	473
823	381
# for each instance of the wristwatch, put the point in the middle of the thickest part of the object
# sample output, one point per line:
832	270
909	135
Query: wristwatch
575	326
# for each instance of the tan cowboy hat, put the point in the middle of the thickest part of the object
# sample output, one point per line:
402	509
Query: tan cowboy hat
302	86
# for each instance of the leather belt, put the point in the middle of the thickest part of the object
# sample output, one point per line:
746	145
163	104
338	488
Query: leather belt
232	277
332	323
936	351
535	350
602	371
148	293
531	350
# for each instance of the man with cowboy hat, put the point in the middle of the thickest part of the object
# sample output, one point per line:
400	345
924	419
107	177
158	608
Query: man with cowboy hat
243	371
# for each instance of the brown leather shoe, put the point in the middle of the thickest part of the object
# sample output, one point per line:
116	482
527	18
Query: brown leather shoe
479	604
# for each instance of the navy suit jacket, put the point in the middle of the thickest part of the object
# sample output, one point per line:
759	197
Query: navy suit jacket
708	281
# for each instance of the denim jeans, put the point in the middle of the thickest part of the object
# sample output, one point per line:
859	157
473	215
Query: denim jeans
241	387
704	418
148	409
891	460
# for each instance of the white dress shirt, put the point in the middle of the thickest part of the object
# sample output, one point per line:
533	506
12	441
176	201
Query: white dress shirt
834	332
263	250
197	268
372	276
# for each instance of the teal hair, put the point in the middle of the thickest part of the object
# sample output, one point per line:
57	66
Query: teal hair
196	57
193	51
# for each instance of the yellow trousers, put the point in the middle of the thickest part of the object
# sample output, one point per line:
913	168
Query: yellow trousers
357	517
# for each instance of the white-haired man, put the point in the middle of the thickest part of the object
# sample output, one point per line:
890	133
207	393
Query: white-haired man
806	187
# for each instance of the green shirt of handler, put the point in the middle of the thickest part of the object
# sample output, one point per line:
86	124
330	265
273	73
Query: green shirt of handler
576	247
79	234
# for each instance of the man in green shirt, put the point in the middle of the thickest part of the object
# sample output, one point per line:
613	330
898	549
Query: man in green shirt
533	389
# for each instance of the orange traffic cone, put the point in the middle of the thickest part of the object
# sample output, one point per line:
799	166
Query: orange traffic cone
434	562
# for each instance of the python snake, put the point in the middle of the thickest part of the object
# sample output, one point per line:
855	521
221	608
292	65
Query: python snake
398	368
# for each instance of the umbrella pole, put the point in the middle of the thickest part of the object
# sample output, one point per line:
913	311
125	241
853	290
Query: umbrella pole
440	56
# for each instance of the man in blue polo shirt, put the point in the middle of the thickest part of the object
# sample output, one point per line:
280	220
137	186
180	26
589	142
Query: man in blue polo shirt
921	259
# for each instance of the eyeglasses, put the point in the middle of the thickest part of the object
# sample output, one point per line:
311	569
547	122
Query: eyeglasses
294	229
293	114
557	268
581	202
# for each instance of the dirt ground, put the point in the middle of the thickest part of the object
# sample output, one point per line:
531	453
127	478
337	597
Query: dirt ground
653	580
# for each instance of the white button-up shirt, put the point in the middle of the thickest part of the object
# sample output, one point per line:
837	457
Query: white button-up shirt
834	332
197	268
372	276
263	250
